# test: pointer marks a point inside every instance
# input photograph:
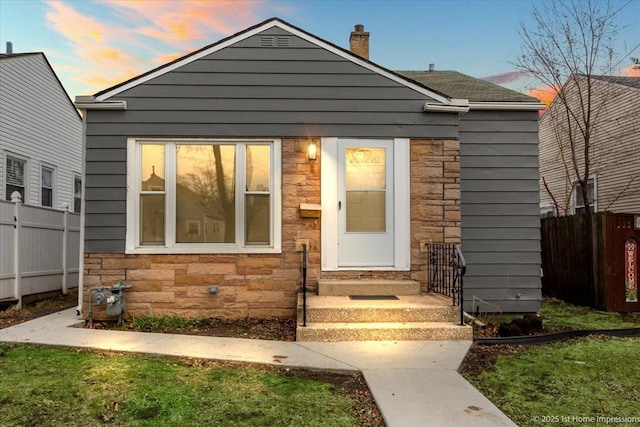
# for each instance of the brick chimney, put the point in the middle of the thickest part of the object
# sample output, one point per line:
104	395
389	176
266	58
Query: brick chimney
359	42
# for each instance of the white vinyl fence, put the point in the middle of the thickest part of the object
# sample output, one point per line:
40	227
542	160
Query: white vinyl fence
39	250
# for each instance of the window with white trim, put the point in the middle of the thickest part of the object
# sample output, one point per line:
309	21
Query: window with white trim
15	177
578	198
46	186
203	195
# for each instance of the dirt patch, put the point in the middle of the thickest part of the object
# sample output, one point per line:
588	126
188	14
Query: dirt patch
482	358
11	317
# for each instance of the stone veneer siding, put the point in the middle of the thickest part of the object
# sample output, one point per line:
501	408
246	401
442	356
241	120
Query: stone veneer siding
266	285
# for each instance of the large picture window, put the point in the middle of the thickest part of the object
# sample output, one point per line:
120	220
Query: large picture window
203	196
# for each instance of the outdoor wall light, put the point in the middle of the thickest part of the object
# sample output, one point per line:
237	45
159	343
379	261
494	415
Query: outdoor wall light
313	151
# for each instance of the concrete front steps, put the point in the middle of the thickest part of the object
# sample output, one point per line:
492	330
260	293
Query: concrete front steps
333	316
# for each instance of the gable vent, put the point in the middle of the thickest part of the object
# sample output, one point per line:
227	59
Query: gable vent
284	41
268	41
275	41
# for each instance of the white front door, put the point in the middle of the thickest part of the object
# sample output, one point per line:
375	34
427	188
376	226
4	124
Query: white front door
365	203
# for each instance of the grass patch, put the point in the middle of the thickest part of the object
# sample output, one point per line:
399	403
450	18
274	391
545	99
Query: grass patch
65	387
557	314
587	377
165	323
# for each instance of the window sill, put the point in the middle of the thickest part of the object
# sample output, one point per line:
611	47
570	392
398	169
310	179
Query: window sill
203	249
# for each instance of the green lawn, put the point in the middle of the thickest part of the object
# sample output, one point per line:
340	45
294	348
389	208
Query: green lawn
558	314
568	383
66	387
587	377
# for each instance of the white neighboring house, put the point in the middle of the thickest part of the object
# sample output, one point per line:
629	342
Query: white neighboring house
40	135
614	178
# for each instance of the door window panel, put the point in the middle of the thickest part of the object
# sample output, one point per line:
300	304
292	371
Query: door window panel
366	190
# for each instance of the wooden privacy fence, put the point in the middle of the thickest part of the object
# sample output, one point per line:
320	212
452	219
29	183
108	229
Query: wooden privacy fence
602	275
39	250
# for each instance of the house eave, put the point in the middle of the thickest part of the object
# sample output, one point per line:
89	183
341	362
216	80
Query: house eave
511	106
90	103
460	106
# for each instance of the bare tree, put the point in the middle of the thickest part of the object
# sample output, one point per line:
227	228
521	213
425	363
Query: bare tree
571	46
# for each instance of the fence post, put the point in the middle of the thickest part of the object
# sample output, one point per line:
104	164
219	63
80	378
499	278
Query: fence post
16	198
65	237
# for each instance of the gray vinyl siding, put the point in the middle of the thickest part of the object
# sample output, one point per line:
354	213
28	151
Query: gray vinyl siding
500	211
245	91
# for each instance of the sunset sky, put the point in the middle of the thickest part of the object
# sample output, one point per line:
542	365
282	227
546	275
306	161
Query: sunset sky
93	45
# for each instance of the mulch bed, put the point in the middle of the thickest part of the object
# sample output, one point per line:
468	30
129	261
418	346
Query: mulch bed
263	329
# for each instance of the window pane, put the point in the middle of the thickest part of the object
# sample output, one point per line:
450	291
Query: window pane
257	220
152	167
77	187
77	194
366	168
47	178
590	192
258	167
205	193
366	211
12	188
47	197
152	219
15	172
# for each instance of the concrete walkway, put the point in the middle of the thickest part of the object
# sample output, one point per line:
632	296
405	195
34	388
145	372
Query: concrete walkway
414	383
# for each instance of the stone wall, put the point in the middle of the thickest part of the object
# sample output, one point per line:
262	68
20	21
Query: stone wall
266	285
435	199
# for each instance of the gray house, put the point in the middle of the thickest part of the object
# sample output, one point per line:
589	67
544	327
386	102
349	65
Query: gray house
296	142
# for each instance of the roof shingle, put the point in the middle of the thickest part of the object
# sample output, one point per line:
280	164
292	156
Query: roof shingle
457	85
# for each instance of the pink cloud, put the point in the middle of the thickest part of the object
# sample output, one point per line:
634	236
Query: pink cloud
130	37
174	22
632	71
98	60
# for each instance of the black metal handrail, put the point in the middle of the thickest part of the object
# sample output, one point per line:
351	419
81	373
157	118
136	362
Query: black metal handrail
446	268
304	285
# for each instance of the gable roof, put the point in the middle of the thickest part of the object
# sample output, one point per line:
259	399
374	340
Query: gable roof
633	82
251	31
8	57
630	82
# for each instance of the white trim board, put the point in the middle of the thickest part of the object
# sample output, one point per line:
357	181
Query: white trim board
329	217
256	30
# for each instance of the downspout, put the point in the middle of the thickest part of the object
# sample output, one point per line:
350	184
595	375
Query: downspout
83	112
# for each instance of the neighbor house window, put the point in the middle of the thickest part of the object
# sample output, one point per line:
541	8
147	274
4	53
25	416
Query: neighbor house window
578	198
46	187
15	177
204	196
77	194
